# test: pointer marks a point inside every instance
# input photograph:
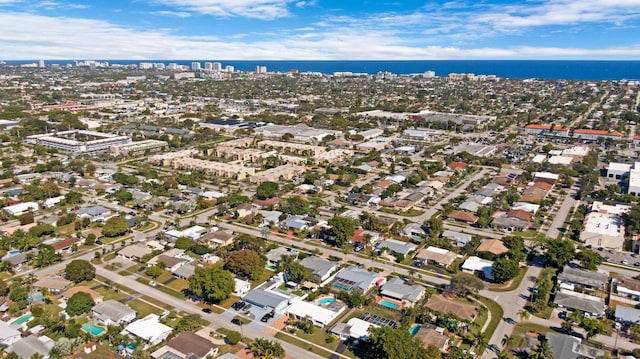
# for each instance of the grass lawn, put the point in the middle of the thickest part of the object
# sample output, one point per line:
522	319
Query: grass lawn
303	345
266	274
496	315
511	285
110	293
109	256
179	285
165	276
129	270
318	337
227	303
143	309
530	327
157	303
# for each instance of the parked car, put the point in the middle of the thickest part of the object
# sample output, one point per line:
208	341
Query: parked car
238	305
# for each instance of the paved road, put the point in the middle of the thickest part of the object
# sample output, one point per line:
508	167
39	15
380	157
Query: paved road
187	306
511	302
561	215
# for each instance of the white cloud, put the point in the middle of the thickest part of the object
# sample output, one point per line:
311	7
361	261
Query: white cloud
258	9
180	14
22	37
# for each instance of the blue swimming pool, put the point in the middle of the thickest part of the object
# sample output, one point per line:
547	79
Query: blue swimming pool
93	329
326	300
388	304
23	319
414	329
340	286
14	251
35	296
271	268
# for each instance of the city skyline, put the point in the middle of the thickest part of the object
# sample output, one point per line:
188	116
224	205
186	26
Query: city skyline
320	30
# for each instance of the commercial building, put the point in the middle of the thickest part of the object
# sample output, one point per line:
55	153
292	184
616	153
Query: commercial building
138	148
300	132
603	226
79	141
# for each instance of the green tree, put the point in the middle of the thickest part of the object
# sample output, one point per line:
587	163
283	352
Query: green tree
479	340
79	303
541	351
114	227
122	195
26	218
342	229
294	270
559	251
184	243
46	256
267	190
505	269
294	205
233	337
79	270
246	263
154	271
213	284
464	284
524	314
267	349
386	342
592	326
589	259
71	198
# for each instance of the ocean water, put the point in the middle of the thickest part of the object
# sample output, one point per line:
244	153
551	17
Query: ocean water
521	69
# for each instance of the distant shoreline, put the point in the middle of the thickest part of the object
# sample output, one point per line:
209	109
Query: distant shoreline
586	70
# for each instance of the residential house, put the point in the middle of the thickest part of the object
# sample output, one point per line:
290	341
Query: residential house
28	347
267	300
64	245
351	278
627	315
440	256
134	251
8	334
462	216
269	218
244	209
566	346
397	291
414	230
299	223
628	287
217	238
187	345
241	288
184	271
112	312
355	328
320	268
480	266
579	301
170	263
399	247
575	277
16	260
95	213
149	329
432	336
493	246
504	222
21	208
457	238
319	315
97	297
52	284
275	255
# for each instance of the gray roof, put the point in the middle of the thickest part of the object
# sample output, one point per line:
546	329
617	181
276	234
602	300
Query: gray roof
459	237
569	347
92	211
505	221
362	279
582	304
6	331
16	258
318	266
396	288
262	298
28	346
628	315
275	255
583	277
185	271
398	246
113	310
470	205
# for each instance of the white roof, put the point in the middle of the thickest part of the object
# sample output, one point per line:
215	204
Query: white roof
619	167
212	194
317	313
539	158
524	206
148	327
576	151
21	207
618	209
548	175
560	160
602	223
359	328
474	263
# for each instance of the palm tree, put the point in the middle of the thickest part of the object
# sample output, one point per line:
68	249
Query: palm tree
266	349
479	340
567	326
524	314
541	351
507	340
503	355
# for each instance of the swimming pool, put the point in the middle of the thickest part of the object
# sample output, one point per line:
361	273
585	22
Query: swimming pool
23	319
340	286
35	296
326	300
414	329
93	329
14	251
388	304
271	268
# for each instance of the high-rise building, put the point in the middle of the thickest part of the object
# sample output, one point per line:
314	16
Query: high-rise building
208	66
195	66
41	63
217	66
172	66
261	69
229	69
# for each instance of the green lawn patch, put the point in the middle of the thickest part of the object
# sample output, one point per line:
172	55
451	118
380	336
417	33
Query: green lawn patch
496	314
179	285
303	345
531	327
157	302
511	285
143	309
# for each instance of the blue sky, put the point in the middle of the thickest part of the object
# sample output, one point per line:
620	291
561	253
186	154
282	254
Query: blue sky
319	29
